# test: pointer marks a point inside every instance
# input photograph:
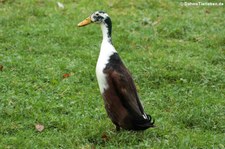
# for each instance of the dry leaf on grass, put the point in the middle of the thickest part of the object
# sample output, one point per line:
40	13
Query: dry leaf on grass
39	127
66	75
105	137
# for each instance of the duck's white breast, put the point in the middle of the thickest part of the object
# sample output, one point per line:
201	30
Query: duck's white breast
106	51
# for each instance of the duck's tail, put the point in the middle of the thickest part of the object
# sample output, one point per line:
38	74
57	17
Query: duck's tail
142	123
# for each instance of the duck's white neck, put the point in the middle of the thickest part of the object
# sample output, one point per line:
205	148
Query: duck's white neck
107	50
106	32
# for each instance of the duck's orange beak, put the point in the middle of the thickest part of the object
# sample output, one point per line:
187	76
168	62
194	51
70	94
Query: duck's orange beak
85	22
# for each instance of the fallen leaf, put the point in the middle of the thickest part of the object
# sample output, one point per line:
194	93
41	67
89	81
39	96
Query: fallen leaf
1	67
39	127
66	75
105	137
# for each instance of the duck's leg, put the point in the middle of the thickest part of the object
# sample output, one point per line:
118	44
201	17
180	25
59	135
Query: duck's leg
117	128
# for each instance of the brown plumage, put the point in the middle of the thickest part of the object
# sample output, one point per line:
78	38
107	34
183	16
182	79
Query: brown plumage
121	100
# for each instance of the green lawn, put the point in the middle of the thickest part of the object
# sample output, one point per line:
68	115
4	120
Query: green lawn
176	55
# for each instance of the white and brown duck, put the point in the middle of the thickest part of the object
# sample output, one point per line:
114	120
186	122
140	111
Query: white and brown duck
116	85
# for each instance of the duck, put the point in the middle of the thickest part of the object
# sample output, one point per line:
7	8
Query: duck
116	84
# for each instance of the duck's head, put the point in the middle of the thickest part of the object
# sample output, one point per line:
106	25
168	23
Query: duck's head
97	17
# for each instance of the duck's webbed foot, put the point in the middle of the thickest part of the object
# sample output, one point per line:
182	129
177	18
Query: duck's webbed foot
117	128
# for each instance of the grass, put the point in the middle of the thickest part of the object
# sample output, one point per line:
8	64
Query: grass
175	53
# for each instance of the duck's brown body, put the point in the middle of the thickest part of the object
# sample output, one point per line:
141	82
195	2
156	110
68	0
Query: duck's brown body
121	100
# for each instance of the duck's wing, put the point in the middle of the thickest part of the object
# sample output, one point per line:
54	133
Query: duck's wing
124	86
